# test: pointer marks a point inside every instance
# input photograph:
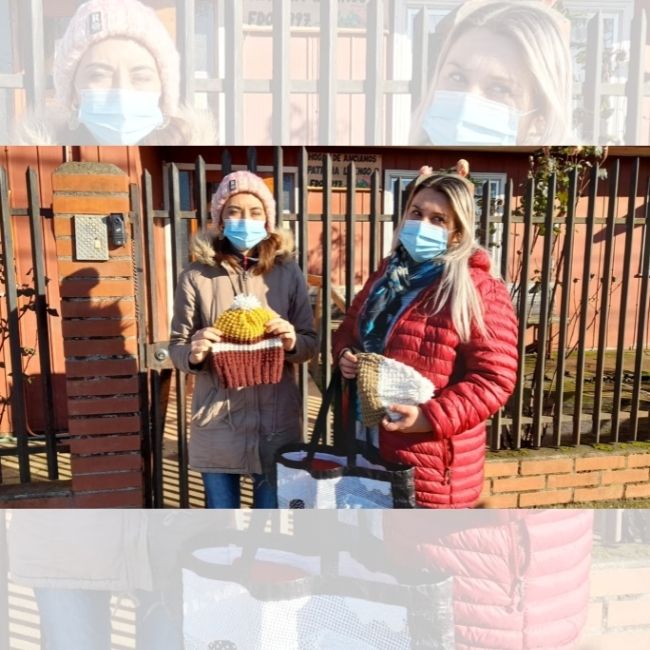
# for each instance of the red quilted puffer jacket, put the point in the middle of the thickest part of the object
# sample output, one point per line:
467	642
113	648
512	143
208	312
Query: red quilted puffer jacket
520	577
472	381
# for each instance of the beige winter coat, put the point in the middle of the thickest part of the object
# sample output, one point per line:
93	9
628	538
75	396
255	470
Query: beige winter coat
80	549
237	431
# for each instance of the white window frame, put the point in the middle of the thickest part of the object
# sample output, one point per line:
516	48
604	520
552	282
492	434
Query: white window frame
497	235
478	177
390	175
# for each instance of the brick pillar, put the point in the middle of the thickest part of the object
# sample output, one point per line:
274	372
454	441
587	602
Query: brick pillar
99	341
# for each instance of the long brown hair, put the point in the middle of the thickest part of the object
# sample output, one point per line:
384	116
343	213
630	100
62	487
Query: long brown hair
267	252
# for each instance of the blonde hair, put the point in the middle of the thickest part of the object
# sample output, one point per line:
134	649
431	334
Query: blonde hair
542	35
456	287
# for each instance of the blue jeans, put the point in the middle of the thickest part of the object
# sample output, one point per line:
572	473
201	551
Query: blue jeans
81	618
223	491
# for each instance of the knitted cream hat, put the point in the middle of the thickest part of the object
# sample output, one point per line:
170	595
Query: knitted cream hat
246	356
243	182
382	382
98	20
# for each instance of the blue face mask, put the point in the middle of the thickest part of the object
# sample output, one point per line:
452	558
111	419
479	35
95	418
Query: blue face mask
456	118
119	116
423	241
244	234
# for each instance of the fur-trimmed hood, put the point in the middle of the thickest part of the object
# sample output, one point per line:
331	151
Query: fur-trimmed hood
202	246
190	126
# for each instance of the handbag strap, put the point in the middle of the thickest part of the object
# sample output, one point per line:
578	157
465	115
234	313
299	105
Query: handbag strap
349	427
320	426
333	398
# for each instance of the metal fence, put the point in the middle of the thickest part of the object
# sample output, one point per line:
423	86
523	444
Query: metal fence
539	413
527	418
378	88
219	82
566	394
22	299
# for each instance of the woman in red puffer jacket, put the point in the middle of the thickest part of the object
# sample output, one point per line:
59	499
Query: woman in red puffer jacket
435	305
520	577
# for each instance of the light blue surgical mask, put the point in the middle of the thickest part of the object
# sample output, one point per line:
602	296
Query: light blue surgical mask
244	234
423	241
456	118
119	115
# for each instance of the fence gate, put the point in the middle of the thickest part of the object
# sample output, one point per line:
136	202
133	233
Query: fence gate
25	298
153	344
162	237
572	389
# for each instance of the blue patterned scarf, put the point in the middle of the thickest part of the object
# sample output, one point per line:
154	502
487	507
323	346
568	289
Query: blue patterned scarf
401	278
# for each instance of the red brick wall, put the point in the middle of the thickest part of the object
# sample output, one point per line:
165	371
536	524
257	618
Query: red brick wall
99	343
584	476
618	613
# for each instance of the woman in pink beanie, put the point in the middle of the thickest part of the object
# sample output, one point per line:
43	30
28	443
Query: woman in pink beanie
237	430
116	75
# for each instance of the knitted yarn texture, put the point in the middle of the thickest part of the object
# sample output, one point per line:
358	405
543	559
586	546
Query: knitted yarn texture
246	356
243	182
382	381
98	20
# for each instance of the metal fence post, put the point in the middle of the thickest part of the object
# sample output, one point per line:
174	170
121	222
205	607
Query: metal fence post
42	326
280	82
327	70
605	301
17	390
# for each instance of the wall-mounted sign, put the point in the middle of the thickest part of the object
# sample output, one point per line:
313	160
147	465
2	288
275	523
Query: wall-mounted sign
365	164
306	13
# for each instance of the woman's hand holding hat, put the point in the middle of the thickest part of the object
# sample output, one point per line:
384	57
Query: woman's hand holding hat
412	420
201	343
284	330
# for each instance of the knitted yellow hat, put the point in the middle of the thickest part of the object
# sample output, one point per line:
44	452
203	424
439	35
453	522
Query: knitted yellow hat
246	355
245	320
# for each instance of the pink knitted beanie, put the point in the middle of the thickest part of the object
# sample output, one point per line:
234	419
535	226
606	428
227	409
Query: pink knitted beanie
98	20
243	182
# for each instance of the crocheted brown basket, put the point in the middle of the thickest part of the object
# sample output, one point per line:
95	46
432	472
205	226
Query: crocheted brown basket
246	356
